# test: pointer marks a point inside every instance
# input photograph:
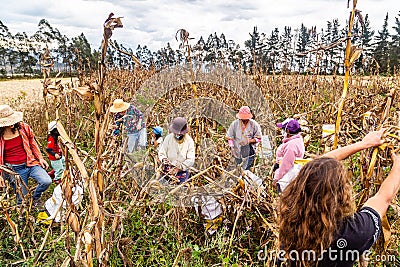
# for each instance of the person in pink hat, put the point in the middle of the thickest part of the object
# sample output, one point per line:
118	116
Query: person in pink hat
243	136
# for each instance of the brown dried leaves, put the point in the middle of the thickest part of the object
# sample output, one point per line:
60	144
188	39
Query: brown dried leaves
110	24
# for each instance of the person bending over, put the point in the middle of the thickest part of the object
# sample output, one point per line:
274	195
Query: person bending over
177	152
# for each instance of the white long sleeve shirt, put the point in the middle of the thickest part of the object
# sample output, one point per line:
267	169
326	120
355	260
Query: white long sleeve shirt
181	155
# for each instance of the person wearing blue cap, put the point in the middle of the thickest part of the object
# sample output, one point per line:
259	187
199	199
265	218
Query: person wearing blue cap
156	136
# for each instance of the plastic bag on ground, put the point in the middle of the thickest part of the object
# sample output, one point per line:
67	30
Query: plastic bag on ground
53	204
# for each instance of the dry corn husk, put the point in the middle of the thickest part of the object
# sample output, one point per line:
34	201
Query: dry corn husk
93	197
14	227
53	90
138	165
87	239
66	188
355	54
386	231
74	222
97	104
84	92
100	182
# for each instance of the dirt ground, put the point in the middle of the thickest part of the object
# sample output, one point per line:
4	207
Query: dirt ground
30	89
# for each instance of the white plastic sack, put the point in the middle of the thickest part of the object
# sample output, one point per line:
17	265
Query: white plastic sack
209	206
328	130
53	204
142	142
253	179
266	147
289	176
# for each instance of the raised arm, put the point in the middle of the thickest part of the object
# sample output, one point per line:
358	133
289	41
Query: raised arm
372	139
388	190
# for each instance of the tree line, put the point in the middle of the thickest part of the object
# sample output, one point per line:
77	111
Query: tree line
300	50
21	54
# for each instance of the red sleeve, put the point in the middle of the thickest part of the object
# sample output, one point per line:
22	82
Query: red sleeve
32	142
51	143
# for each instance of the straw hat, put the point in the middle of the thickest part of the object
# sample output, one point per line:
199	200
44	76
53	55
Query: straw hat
179	126
119	105
8	116
244	113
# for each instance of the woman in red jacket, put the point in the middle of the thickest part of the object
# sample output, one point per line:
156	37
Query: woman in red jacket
20	151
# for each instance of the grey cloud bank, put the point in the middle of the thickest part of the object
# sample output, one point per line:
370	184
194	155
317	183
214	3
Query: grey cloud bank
154	23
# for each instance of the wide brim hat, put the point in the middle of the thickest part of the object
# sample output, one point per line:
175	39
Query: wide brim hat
244	113
119	105
179	126
8	116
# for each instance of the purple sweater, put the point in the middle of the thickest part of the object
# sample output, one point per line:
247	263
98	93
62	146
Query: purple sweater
287	152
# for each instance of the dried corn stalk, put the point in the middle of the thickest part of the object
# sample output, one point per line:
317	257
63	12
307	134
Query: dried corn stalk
350	56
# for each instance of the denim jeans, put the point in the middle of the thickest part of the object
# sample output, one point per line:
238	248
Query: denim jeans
37	173
137	140
133	140
59	167
248	162
182	176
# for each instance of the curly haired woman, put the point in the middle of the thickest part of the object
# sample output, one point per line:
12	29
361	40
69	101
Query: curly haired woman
318	223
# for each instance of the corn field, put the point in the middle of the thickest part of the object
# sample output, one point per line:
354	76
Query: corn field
127	219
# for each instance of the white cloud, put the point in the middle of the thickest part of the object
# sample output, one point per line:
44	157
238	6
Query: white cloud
154	23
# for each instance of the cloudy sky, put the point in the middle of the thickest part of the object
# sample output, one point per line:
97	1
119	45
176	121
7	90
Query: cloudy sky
155	22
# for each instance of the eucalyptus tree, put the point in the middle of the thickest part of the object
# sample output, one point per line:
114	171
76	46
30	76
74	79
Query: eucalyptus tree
302	45
366	59
272	52
395	45
286	49
338	50
211	48
198	52
382	49
81	54
253	54
25	61
5	40
145	56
